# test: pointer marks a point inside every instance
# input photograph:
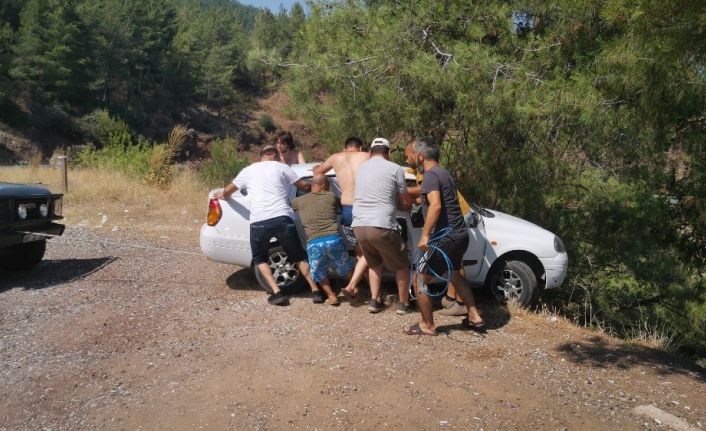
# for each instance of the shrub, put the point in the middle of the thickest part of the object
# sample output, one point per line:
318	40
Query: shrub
225	163
267	123
119	154
160	168
626	272
100	127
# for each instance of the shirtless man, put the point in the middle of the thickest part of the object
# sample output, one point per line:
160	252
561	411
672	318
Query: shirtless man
346	164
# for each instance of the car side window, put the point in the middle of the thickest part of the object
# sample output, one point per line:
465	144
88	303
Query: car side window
301	192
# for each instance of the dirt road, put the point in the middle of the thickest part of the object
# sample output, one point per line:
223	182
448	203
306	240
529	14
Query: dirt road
115	337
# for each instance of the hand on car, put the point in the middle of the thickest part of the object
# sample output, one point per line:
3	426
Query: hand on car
218	194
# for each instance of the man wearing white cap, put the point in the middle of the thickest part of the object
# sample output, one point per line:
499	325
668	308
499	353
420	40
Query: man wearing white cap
380	190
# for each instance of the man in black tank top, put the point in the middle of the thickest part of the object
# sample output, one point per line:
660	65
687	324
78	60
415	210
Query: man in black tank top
442	218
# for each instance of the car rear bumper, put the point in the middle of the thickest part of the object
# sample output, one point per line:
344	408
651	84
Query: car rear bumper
234	250
20	234
555	270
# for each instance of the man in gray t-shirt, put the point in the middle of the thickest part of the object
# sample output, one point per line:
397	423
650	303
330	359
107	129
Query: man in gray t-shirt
380	190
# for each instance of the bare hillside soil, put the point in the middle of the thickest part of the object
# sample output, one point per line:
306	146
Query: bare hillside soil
112	331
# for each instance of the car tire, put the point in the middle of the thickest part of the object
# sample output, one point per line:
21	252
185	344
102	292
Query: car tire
23	257
513	280
286	273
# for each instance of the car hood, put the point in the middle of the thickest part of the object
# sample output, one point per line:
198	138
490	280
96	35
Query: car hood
11	189
515	233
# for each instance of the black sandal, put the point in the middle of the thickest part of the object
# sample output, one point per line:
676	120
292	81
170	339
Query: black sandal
477	327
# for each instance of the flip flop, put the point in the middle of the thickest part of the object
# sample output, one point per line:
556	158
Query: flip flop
477	327
417	330
350	296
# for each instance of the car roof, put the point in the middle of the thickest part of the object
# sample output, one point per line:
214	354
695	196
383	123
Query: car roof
304	170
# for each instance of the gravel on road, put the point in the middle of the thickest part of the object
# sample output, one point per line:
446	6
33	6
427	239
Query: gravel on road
115	332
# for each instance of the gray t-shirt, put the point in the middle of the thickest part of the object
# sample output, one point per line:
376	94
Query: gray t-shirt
378	185
438	179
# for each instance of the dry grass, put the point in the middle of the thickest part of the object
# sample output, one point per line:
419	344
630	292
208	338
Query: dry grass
659	337
114	202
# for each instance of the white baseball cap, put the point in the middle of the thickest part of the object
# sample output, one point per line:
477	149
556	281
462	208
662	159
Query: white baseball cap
380	142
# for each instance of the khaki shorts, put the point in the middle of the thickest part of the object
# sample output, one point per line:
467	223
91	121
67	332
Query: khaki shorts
382	247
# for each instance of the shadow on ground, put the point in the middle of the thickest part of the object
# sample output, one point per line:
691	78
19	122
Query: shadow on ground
50	273
495	317
242	279
598	352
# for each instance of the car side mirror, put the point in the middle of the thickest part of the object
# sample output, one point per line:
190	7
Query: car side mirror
416	216
472	219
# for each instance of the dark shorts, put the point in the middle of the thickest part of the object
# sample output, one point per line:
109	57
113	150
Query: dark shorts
383	247
281	228
346	215
455	246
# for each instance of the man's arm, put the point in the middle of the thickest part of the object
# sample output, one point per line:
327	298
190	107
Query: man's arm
415	191
300	158
324	167
433	213
226	193
406	201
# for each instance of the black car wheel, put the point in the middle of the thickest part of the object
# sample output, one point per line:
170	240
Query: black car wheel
513	280
286	273
22	257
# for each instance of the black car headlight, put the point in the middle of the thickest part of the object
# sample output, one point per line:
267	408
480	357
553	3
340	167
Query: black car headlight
22	212
559	245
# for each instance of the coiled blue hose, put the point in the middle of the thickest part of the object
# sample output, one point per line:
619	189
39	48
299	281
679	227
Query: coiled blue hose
419	262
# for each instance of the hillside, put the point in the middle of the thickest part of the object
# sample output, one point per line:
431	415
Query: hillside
32	144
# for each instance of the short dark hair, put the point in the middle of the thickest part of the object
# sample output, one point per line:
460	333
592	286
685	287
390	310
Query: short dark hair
428	146
379	149
353	141
286	138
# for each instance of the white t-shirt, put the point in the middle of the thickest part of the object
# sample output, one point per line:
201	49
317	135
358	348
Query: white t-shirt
268	184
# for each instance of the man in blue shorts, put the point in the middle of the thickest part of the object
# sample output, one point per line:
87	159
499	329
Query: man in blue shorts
346	164
325	247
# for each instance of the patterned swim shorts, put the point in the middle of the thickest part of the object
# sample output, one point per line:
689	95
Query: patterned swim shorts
328	252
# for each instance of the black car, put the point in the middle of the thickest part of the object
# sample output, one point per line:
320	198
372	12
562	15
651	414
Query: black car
27	215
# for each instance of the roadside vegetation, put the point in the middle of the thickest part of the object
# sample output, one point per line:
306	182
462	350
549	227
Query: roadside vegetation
118	202
585	117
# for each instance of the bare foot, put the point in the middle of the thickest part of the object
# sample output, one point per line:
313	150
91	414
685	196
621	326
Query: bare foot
332	300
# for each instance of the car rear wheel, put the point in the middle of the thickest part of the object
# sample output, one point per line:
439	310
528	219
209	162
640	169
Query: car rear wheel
513	280
286	273
23	257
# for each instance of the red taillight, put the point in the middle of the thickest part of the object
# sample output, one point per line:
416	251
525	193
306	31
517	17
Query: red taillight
214	212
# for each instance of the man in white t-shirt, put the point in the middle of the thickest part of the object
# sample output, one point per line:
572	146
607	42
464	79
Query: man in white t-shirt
268	183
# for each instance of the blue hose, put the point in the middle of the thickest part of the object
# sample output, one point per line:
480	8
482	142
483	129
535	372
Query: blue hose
419	262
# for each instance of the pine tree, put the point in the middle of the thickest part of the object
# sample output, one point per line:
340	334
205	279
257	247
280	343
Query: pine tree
51	52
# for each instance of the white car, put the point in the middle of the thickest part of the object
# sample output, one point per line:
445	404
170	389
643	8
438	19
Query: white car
516	259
